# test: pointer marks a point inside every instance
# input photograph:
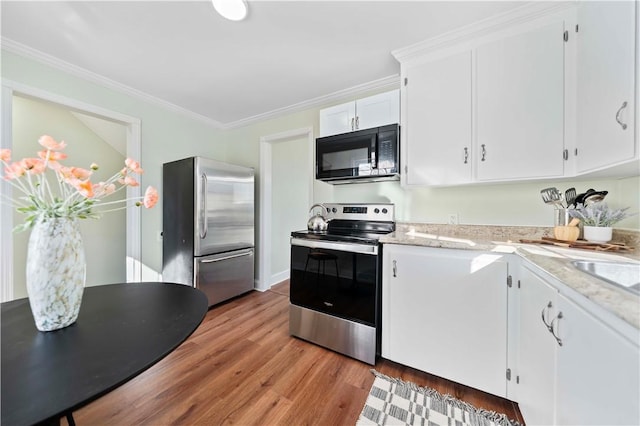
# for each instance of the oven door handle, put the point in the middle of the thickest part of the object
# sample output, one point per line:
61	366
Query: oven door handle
331	245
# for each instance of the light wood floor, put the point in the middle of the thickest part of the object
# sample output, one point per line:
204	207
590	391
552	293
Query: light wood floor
242	367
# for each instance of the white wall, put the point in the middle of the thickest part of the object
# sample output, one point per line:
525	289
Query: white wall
104	241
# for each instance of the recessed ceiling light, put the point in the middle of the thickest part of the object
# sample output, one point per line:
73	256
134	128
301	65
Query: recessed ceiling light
234	10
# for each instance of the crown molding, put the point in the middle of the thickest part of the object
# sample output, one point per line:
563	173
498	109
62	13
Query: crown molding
46	59
522	14
12	46
389	82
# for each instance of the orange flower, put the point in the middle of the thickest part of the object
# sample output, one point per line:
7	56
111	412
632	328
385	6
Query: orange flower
14	171
84	187
133	165
150	197
53	155
50	143
75	173
128	180
35	166
5	155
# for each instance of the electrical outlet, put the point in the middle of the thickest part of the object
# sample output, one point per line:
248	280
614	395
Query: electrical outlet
159	236
453	218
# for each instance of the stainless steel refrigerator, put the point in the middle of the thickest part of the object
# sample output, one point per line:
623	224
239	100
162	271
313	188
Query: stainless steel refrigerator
208	226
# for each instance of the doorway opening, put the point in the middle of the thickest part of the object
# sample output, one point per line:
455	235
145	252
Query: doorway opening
285	207
88	113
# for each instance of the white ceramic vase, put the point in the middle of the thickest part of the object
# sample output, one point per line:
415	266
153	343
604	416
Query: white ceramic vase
55	272
598	234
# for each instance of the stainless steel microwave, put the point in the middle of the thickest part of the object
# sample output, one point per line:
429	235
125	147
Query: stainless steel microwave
368	155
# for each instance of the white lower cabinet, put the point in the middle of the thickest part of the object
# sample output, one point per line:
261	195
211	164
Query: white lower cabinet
598	371
577	369
536	372
445	312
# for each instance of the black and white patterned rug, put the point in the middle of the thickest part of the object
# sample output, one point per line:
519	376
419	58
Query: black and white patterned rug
396	402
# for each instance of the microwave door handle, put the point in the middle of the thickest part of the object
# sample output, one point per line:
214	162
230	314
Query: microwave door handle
374	149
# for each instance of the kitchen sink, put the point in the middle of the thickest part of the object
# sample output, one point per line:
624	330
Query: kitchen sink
625	275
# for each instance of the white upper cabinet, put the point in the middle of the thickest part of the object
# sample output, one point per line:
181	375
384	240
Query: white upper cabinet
606	68
373	111
520	106
490	104
437	121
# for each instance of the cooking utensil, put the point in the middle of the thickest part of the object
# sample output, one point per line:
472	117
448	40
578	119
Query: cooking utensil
570	196
594	197
552	196
317	223
580	197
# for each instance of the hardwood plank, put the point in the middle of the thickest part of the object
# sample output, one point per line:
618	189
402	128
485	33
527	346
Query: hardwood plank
242	367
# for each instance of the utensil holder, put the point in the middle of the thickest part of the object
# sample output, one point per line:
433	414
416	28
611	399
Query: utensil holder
562	217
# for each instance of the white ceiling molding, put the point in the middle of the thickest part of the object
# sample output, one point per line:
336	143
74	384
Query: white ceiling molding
475	31
390	82
36	55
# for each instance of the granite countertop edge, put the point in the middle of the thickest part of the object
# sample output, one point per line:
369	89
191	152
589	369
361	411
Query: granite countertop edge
552	260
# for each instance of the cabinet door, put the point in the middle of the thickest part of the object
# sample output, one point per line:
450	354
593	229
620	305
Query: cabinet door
606	78
445	312
378	110
437	121
520	106
536	350
598	371
338	119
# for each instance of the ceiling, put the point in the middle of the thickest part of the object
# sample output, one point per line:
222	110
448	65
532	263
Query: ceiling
284	56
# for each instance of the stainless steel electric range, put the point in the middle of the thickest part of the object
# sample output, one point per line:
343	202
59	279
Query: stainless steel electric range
335	280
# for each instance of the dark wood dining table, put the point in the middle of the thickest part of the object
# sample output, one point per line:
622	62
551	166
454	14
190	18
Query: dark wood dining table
121	330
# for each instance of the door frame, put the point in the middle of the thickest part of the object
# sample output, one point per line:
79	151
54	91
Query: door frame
132	124
266	209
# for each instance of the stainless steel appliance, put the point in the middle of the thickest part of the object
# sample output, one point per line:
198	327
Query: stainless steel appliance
362	156
208	226
335	281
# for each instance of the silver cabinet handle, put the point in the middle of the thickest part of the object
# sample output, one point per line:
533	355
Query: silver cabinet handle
553	328
395	269
549	306
357	122
484	152
373	159
352	123
466	155
618	119
203	207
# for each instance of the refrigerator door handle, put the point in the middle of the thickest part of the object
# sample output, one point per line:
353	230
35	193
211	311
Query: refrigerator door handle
219	259
203	208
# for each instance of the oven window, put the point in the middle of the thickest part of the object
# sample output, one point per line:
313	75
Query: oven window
337	283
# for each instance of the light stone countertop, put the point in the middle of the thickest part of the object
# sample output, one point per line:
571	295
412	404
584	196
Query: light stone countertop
554	260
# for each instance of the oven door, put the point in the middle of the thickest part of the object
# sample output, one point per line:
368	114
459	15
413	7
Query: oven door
347	155
339	279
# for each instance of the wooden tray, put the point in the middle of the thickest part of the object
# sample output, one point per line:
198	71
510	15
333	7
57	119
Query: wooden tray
581	244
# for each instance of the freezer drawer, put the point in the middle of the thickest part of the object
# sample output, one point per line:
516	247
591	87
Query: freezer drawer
225	275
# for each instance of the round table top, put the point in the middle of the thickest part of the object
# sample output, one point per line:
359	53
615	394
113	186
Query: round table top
121	330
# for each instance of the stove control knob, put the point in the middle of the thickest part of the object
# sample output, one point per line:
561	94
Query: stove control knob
335	210
376	210
384	211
